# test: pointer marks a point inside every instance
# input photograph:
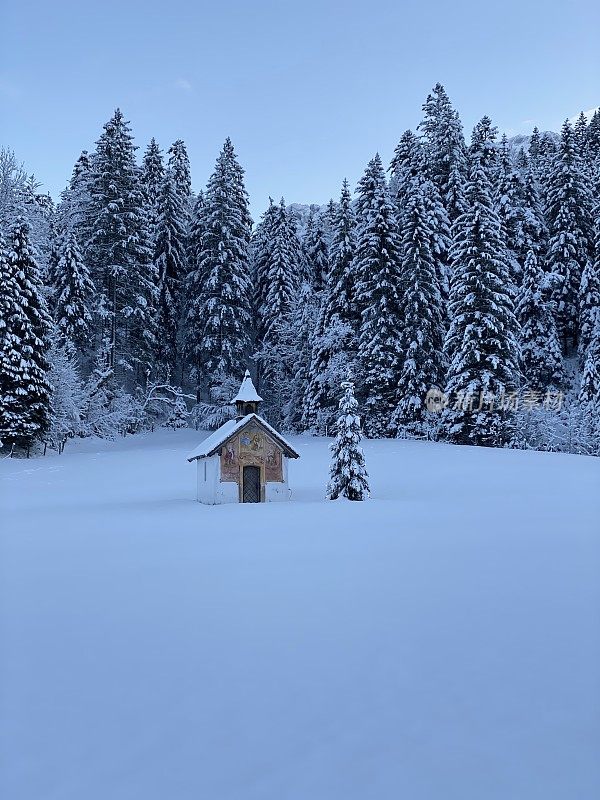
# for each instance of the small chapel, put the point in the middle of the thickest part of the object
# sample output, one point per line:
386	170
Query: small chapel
245	460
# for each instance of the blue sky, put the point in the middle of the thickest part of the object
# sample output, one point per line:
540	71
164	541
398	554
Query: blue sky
308	91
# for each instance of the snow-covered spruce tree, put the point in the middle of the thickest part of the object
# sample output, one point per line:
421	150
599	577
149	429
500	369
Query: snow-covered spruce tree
588	409
335	342
481	345
303	320
153	172
568	212
119	255
541	357
223	343
445	149
589	391
24	329
348	474
73	295
260	252
483	148
589	300
329	221
316	252
423	316
589	289
66	396
73	212
593	138
179	164
283	270
277	334
580	132
170	267
378	270
193	287
509	198
532	233
407	163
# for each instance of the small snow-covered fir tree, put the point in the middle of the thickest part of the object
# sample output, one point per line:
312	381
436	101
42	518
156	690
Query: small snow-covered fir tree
348	474
541	357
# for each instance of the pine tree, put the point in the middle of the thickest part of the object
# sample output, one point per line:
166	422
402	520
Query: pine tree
509	199
541	358
66	397
589	289
153	173
483	148
532	232
73	295
170	265
179	164
378	268
568	212
119	254
73	212
580	133
335	341
422	313
445	149
283	271
481	344
348	474
593	137
303	320
589	392
193	287
408	163
316	251
24	329
260	249
224	341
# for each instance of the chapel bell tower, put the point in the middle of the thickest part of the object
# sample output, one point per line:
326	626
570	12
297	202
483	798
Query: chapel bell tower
247	399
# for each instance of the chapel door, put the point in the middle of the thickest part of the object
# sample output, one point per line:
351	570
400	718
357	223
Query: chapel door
251	485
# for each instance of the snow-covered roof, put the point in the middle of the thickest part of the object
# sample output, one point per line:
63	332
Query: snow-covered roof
228	429
247	393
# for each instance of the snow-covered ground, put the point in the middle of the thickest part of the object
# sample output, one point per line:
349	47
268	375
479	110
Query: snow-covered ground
441	641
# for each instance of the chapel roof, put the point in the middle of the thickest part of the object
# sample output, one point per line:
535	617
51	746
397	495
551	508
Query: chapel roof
209	446
247	392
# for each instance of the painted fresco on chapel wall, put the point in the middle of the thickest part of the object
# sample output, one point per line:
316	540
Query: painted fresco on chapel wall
252	446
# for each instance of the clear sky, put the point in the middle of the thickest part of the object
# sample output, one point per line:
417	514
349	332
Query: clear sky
308	90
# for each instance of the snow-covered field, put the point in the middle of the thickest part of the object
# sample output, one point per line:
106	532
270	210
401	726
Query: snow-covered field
439	642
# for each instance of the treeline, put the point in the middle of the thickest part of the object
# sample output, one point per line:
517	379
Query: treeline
466	273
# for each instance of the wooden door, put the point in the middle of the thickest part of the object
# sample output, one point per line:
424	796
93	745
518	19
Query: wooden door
251	485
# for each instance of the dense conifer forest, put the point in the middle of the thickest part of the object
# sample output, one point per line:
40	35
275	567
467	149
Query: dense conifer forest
458	288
